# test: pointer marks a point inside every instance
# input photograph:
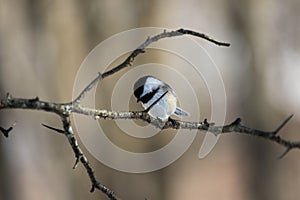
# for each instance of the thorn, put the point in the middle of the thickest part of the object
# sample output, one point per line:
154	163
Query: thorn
284	153
180	30
283	124
54	129
173	121
93	188
237	121
205	122
8	96
34	99
76	163
6	131
138	51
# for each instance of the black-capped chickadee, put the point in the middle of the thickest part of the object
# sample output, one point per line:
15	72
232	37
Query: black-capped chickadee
149	89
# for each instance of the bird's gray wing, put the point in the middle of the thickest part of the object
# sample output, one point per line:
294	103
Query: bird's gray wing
179	112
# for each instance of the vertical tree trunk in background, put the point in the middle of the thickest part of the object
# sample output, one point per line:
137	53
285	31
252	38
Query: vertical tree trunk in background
260	25
254	106
41	47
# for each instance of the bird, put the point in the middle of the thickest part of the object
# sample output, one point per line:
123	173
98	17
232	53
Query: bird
158	97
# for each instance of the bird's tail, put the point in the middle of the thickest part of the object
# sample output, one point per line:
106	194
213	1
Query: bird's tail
179	112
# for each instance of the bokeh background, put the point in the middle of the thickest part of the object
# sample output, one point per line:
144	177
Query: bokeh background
43	43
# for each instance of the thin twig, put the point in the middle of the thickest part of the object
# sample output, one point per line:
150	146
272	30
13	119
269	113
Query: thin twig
87	89
54	129
202	35
141	49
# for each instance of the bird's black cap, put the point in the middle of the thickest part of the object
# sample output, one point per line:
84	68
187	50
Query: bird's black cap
139	89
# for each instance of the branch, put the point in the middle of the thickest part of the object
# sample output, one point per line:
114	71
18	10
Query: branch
141	49
82	158
235	126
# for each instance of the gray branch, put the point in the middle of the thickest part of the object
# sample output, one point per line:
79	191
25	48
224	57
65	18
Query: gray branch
66	109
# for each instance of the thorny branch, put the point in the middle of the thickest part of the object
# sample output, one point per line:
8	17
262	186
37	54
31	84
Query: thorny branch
64	110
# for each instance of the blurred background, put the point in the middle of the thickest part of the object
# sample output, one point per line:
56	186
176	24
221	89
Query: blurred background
43	43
